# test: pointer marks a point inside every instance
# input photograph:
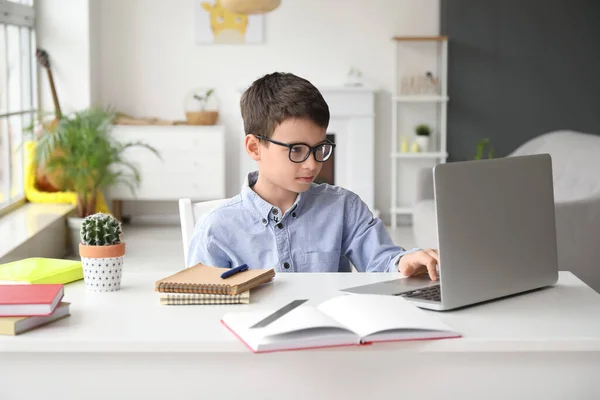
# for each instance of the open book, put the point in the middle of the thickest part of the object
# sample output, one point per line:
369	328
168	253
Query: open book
341	321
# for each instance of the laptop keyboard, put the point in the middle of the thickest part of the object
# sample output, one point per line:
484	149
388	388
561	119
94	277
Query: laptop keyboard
432	293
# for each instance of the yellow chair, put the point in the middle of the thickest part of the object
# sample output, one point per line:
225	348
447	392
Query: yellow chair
33	195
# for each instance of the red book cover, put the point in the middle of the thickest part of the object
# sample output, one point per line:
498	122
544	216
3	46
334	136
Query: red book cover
29	300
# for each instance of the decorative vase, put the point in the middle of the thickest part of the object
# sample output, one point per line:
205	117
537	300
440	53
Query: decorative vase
423	142
102	266
404	145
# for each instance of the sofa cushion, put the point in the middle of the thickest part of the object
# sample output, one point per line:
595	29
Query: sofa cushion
575	162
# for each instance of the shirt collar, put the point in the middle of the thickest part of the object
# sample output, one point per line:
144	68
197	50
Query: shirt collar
263	210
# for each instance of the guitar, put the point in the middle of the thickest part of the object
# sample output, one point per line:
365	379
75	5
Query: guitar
48	182
44	60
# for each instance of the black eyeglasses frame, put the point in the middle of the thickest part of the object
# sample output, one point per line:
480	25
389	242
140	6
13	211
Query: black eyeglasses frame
290	146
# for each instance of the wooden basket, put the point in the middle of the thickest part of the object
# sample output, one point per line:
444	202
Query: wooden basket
202	117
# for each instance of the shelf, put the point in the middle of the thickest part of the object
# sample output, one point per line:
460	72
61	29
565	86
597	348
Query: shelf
402	210
420	155
418	98
420	38
410	99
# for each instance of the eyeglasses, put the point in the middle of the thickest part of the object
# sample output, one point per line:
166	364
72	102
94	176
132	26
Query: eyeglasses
299	152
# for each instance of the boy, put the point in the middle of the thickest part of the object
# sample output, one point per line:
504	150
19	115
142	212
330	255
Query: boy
283	220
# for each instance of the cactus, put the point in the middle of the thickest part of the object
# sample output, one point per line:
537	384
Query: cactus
100	230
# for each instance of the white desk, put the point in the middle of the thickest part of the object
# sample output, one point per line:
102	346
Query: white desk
545	344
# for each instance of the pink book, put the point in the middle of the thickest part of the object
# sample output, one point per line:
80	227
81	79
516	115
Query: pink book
346	320
29	300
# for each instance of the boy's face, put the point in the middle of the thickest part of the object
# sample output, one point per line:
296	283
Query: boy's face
274	162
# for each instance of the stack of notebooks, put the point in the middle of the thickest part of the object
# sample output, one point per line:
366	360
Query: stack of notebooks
27	306
202	284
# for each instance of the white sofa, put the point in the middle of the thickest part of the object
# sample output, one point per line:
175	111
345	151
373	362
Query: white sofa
576	171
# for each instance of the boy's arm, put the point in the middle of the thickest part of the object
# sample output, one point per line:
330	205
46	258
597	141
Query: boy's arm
366	241
205	251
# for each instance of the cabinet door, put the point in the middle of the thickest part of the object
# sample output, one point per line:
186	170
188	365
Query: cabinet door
191	163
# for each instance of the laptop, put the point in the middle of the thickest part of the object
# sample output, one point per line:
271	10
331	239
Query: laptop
496	234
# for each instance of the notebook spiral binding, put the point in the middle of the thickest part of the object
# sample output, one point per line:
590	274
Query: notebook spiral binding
172	287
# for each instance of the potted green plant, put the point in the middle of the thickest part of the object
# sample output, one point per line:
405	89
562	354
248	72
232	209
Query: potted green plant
201	107
423	134
102	252
481	147
89	159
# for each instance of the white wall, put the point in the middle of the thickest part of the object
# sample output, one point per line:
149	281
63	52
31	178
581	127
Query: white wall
63	30
148	59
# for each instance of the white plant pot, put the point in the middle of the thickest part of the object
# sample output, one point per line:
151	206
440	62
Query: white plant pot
423	142
74	224
102	274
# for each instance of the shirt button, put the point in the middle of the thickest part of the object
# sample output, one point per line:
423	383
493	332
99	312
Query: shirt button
286	265
274	211
264	221
294	215
280	225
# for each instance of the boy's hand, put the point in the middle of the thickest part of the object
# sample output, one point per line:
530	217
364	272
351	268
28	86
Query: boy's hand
419	262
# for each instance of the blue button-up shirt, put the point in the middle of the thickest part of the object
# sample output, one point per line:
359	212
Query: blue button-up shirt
325	230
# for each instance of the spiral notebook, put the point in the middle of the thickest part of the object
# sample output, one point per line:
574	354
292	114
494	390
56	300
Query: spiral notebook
206	279
187	299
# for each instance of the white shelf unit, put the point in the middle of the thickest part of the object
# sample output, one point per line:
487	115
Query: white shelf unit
438	100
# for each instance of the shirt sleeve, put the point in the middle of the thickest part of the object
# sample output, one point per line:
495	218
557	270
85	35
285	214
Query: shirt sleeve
203	250
367	243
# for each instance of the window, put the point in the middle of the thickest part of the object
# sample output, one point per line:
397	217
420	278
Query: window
17	93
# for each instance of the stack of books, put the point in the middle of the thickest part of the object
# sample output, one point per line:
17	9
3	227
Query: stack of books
202	284
27	306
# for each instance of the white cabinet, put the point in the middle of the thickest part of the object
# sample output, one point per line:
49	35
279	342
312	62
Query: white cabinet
192	164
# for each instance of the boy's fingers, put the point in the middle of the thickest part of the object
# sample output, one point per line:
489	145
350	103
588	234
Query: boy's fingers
433	253
426	261
431	268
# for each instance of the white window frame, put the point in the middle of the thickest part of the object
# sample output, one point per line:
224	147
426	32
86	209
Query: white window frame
13	13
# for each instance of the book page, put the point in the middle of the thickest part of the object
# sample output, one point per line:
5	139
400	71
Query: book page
300	319
302	327
370	314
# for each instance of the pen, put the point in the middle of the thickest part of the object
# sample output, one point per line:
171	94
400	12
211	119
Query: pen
234	271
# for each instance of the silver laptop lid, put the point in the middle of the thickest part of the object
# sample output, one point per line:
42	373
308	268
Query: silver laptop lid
496	227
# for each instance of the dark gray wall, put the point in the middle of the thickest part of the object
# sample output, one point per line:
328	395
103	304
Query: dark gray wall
519	68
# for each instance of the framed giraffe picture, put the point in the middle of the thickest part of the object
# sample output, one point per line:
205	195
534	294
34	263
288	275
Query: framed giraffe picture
216	25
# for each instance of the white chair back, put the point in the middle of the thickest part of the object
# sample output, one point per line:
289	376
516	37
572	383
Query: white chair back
189	214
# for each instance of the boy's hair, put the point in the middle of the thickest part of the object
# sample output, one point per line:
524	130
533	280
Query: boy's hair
277	96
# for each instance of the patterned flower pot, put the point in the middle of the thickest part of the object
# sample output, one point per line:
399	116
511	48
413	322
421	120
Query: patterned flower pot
423	142
102	266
